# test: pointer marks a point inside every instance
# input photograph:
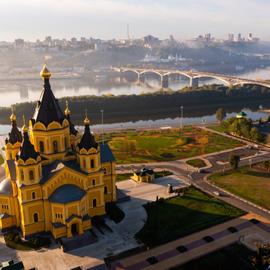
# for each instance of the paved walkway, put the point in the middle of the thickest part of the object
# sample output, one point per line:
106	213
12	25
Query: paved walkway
120	240
168	256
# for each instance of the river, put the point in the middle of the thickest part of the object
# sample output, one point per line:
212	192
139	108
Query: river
12	92
21	91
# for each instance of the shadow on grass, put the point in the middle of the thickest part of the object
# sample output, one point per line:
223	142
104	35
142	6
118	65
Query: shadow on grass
180	216
234	256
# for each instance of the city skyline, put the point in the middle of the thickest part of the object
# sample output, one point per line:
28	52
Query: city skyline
66	18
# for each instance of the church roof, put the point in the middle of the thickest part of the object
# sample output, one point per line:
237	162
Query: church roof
66	194
50	170
15	135
5	187
106	154
88	140
12	169
48	109
72	128
27	149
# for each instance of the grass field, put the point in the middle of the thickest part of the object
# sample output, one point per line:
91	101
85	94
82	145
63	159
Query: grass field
251	184
234	256
150	146
198	163
179	216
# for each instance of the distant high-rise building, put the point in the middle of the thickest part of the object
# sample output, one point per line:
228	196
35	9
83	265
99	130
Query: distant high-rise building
230	37
19	43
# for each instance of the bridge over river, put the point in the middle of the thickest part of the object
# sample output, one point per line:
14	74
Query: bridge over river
193	76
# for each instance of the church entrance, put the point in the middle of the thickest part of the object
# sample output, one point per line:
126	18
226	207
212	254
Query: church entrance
74	229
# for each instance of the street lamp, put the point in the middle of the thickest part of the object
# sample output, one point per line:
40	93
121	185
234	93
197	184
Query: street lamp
102	128
181	117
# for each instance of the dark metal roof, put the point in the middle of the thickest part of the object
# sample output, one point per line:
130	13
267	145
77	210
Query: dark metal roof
66	194
73	216
48	109
145	171
12	169
72	128
6	187
106	154
88	140
50	170
5	215
86	217
58	224
27	149
15	135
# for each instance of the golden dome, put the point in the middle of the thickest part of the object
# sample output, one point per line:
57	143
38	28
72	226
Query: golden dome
67	111
86	121
24	127
45	73
12	116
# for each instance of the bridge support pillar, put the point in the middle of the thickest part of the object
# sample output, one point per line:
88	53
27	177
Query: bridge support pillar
165	81
194	82
141	78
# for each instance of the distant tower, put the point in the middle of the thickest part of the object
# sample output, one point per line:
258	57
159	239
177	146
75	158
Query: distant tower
128	34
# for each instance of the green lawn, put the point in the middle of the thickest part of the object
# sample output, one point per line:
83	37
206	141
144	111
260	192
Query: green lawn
198	163
179	216
218	128
234	256
251	184
150	146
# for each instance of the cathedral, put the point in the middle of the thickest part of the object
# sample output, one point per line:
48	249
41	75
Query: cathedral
57	179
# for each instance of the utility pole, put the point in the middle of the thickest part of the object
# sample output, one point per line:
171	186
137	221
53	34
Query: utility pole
102	129
181	117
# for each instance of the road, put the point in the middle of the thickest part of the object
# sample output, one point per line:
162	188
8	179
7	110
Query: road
199	180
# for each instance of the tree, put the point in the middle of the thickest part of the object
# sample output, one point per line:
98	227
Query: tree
266	165
255	135
234	161
220	114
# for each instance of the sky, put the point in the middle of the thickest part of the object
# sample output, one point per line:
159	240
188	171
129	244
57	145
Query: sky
106	19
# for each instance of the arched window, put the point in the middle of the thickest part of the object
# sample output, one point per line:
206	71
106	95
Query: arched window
105	171
105	190
41	147
94	203
33	195
22	175
84	163
55	146
92	163
94	182
35	217
31	175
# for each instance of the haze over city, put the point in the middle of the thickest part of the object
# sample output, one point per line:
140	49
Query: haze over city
32	19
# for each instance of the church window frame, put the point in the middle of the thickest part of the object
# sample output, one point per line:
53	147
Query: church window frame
94	182
33	195
55	146
31	175
92	163
22	175
41	146
35	217
94	203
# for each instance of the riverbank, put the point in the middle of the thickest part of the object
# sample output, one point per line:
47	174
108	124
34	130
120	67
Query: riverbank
163	104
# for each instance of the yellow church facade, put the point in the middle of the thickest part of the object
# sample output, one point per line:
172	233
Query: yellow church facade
57	179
